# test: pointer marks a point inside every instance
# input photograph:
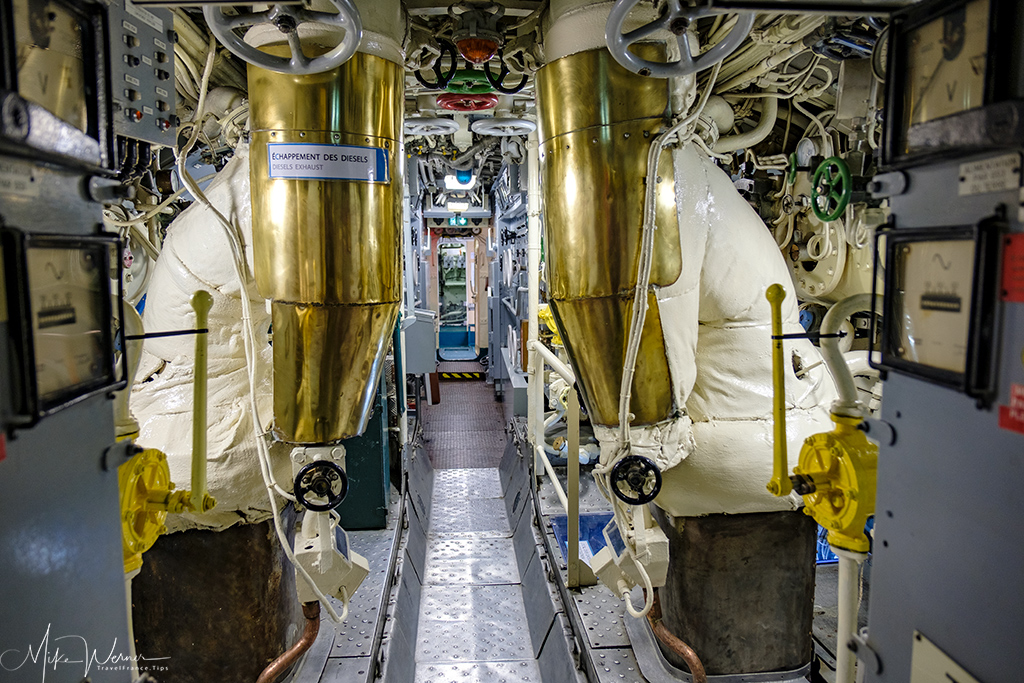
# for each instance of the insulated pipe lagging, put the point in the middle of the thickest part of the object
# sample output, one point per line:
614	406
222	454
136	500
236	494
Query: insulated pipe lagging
848	404
769	115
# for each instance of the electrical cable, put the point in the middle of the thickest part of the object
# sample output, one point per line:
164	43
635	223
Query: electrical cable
236	242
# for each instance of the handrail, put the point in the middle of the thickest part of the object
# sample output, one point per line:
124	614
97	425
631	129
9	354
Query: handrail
571	502
563	370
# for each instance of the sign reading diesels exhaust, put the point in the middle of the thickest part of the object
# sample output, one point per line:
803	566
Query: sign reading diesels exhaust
308	161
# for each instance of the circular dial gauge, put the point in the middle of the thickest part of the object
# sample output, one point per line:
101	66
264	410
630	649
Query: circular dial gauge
946	64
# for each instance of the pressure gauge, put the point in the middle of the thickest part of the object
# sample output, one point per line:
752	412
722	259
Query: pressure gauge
61	311
941	299
950	80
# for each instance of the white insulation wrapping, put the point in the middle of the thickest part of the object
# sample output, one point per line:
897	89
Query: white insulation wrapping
717	458
195	256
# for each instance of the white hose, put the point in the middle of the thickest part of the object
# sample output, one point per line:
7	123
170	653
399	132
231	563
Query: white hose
757	134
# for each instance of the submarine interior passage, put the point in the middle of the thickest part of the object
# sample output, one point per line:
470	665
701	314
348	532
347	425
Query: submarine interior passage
511	341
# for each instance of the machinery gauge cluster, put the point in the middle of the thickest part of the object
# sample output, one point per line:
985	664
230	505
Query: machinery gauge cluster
939	320
950	86
60	303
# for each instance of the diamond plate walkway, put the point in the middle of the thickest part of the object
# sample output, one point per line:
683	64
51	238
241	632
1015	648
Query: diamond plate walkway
472	624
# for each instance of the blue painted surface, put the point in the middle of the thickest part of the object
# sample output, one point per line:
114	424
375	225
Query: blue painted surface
591	526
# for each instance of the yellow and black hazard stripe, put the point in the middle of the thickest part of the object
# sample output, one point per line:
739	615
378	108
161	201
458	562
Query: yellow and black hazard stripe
462	375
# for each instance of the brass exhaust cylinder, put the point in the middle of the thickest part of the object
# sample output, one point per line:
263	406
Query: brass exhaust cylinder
328	251
596	123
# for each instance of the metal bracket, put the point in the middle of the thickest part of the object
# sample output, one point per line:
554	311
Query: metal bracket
859	646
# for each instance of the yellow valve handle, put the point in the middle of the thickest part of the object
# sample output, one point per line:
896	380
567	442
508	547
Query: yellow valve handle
780	484
201	302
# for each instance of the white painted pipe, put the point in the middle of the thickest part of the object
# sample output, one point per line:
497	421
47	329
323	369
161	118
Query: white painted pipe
769	115
542	457
536	370
849	605
848	404
563	370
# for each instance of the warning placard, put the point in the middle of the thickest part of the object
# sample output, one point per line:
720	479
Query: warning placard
1012	416
308	161
1013	268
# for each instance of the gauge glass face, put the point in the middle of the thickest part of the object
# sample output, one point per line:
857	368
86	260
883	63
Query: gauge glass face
67	289
51	67
946	64
934	303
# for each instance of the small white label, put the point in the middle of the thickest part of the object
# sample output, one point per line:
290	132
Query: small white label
148	111
18	178
131	79
160	44
129	27
997	174
144	15
328	162
147	61
161	92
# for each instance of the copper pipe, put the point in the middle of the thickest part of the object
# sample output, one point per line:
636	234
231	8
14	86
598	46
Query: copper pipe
274	670
675	644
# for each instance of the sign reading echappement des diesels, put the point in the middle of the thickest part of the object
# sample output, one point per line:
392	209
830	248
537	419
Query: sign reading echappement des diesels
309	161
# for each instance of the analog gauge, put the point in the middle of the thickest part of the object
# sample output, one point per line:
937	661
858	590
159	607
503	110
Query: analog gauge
934	302
946	64
68	288
50	62
806	150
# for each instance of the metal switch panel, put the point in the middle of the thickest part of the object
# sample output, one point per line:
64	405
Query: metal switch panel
142	72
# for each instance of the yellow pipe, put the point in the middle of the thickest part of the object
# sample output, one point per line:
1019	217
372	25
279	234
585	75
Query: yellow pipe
201	302
780	484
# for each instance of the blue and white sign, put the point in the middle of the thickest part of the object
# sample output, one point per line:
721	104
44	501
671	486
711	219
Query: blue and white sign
309	161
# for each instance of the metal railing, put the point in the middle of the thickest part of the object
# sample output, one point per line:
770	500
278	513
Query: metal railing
569	497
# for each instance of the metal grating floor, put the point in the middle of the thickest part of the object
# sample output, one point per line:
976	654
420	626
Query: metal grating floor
466	429
472	621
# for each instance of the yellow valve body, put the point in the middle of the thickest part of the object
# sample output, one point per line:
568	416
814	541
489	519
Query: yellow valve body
843	465
143	479
546	317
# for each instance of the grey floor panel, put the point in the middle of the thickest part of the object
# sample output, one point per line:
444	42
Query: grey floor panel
616	664
601	613
472	624
556	656
475	482
525	671
540	609
591	499
347	670
471	561
417	546
482	517
354	637
524	542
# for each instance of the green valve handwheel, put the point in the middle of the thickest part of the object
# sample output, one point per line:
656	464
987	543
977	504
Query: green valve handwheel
833	187
469	82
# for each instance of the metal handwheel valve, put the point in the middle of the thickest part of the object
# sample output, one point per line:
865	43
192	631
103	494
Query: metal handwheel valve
676	20
833	188
287	19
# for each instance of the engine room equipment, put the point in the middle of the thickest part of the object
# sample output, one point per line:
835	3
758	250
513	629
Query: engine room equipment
476	32
675	20
939	322
288	19
327	219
